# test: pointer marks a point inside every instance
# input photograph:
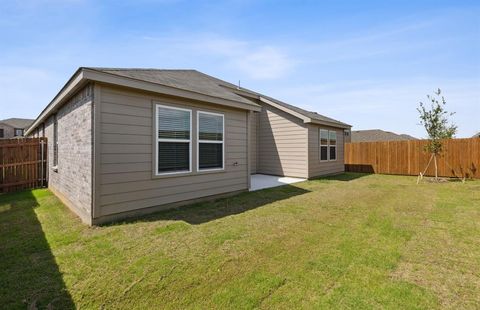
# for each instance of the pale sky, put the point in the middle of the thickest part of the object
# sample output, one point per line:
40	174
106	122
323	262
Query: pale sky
367	63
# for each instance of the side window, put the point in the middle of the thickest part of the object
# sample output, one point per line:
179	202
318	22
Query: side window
55	140
2	133
210	141
174	140
18	132
323	144
332	145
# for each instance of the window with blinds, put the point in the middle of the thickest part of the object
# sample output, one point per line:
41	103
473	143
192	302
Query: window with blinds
173	140
210	141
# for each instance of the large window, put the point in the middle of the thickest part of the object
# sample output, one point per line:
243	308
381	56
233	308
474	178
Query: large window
173	140
323	144
328	145
210	141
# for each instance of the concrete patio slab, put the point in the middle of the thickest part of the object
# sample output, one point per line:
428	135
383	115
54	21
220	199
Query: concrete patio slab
261	181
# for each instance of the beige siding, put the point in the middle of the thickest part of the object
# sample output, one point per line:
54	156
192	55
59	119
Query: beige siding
317	167
282	144
253	123
127	151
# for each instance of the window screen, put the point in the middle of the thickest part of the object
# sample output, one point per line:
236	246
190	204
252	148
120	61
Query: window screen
323	144
210	141
173	140
333	145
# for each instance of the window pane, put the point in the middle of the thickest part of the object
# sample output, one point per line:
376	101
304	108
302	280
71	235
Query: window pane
323	153
173	124
173	156
1	133
333	153
323	137
210	155
333	137
210	127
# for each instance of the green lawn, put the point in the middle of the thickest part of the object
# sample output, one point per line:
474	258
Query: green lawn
351	241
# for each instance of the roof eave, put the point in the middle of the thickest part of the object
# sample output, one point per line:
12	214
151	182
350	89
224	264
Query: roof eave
109	78
332	124
83	75
73	84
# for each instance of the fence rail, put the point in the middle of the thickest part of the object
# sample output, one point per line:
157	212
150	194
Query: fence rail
23	164
460	158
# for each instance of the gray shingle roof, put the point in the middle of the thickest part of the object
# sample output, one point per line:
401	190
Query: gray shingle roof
190	80
378	135
193	80
17	122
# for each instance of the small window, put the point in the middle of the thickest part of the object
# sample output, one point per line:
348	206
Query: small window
55	140
332	145
173	140
18	132
323	144
210	141
2	133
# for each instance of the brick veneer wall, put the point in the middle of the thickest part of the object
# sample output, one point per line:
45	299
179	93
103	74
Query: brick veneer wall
72	182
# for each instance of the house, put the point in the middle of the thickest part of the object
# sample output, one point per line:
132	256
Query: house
477	135
13	127
125	142
373	135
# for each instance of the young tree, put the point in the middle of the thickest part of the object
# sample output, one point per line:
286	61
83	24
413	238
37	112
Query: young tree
435	120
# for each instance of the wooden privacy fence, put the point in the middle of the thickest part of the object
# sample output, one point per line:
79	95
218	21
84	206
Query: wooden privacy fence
460	158
23	164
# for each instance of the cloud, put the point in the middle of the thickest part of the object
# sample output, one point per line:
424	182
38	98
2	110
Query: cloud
255	60
24	88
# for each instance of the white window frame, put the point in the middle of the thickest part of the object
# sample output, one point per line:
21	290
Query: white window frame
157	139
327	145
210	141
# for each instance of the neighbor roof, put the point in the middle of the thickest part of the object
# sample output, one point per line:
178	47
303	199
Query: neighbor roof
372	135
17	122
477	135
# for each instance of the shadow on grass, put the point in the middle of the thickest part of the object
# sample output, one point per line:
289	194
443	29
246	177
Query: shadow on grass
346	176
200	213
29	275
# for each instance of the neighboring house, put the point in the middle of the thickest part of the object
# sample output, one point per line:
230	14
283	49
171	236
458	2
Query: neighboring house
14	127
124	142
477	135
373	135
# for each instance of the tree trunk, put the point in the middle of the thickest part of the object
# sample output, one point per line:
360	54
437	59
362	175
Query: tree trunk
436	167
